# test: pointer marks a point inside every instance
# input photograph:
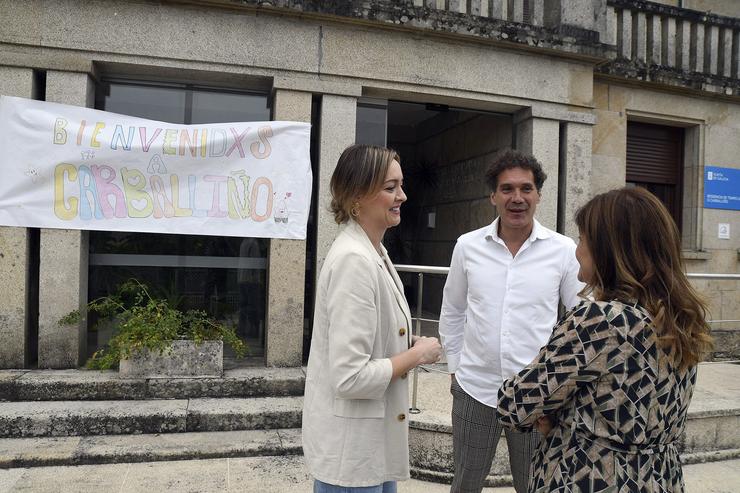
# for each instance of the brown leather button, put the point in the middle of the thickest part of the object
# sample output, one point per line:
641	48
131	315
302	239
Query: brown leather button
402	331
401	417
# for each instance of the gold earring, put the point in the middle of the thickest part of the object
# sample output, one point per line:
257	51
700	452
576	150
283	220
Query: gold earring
355	209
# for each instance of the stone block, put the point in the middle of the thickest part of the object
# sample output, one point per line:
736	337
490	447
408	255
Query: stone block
639	36
73	418
668	41
577	171
181	359
14	254
285	316
541	138
14	311
337	132
62	289
286	265
244	414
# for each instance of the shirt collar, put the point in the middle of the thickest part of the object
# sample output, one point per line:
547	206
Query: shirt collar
539	232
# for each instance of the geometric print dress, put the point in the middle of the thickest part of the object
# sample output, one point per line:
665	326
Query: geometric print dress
616	399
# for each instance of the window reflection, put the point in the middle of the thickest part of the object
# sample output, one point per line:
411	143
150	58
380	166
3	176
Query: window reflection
225	276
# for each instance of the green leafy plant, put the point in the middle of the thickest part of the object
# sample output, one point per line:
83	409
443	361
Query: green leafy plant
148	323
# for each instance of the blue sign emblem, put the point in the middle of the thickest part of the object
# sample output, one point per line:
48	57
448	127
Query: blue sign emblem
721	188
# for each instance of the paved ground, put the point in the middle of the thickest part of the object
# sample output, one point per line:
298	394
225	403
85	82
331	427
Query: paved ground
260	475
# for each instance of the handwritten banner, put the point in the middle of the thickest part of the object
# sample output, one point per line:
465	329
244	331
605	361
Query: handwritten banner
75	168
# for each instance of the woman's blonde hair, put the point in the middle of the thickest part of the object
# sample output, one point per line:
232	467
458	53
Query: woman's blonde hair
360	171
636	250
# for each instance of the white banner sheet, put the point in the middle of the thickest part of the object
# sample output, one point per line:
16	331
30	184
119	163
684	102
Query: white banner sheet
75	168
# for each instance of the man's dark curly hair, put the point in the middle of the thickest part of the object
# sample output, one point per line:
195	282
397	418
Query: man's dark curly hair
509	159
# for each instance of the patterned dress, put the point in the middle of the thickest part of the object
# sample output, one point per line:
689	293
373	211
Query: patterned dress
618	402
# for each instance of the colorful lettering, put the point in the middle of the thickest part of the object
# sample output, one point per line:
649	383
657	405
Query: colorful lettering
218	139
263	133
80	132
175	186
138	202
165	207
170	137
238	203
192	183
94	138
146	144
215	210
61	210
106	189
118	137
203	142
258	184
60	135
88	195
237	142
185	140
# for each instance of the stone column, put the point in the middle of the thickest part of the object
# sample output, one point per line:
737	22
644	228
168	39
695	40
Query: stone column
286	268
14	256
639	36
63	256
576	175
337	131
540	137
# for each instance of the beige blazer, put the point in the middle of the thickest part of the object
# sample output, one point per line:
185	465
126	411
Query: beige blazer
355	421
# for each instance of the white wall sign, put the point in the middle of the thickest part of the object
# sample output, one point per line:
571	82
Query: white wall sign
723	231
75	168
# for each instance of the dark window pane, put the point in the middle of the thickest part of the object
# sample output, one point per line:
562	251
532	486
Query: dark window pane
213	107
152	102
371	125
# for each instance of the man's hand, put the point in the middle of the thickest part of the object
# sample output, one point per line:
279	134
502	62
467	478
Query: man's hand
544	425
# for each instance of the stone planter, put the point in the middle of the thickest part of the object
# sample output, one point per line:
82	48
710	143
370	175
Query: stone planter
186	359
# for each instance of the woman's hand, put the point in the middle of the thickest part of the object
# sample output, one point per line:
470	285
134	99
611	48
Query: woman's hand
544	425
428	349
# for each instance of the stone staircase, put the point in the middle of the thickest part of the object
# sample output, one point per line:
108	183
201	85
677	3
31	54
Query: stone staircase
78	417
712	428
72	417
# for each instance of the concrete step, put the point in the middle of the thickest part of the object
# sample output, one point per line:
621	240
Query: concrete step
68	385
261	475
75	418
726	343
110	449
712	429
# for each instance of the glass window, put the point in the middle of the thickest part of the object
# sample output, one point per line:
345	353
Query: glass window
371	127
225	276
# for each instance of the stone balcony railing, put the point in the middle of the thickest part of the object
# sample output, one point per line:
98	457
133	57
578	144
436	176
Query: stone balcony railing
633	39
674	46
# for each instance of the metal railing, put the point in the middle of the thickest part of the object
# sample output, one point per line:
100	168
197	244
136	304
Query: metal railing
420	270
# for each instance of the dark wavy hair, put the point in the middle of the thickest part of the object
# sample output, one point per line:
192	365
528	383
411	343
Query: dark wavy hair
636	250
508	159
360	171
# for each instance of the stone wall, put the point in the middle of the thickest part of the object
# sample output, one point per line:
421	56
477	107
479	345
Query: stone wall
712	135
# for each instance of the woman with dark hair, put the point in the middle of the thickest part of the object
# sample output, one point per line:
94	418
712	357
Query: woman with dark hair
611	389
355	431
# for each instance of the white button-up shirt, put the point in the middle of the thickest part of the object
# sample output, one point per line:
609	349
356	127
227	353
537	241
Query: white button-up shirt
498	310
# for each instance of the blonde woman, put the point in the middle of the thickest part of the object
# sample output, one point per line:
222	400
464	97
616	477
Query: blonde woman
355	426
611	389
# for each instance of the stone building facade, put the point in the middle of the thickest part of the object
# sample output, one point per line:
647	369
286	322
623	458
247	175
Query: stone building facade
598	90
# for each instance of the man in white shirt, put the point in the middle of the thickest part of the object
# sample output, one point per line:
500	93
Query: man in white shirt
500	304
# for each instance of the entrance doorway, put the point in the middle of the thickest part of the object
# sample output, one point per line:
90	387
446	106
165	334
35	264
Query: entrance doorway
444	154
